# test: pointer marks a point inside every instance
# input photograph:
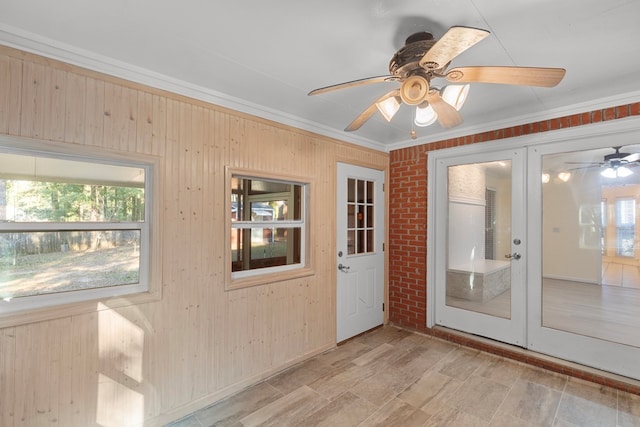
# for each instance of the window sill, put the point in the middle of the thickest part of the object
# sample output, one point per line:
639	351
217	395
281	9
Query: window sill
265	279
73	309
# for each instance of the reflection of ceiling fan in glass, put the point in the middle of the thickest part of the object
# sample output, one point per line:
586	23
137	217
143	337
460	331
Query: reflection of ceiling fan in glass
614	165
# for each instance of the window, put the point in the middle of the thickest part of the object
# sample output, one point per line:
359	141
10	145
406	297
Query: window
490	223
267	228
603	227
625	227
72	229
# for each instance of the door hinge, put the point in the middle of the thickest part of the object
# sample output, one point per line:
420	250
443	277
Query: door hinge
382	306
382	246
383	187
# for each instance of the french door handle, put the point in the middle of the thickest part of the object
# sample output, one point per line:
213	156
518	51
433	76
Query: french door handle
514	255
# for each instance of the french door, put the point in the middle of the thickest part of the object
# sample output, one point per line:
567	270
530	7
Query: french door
480	261
536	243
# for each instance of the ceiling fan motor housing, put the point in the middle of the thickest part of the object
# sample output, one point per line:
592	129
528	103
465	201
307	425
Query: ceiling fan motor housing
615	156
406	61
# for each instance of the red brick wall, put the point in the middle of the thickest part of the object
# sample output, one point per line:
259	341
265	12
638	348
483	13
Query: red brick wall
408	229
408	210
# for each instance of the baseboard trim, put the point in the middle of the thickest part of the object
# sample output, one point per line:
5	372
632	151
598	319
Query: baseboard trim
228	391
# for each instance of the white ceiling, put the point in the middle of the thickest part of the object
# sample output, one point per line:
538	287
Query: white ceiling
263	57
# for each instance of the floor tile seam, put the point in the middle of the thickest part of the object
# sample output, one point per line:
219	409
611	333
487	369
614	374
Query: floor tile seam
473	374
562	397
378	407
270	385
327	403
318	395
504	400
198	420
618	408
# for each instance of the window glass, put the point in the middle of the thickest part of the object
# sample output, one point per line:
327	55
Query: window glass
625	227
70	226
267	224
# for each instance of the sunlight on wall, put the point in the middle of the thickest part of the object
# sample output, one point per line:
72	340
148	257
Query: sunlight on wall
118	406
121	349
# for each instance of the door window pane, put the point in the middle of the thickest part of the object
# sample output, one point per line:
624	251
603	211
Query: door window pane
590	280
479	197
360	221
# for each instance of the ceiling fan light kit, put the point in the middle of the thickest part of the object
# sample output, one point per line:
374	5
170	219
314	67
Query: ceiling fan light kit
389	107
455	95
425	115
616	172
423	59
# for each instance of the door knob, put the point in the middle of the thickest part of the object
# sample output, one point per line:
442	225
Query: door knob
343	268
514	255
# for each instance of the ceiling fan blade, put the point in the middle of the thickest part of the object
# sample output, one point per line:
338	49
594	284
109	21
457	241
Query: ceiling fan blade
633	157
584	167
370	111
448	116
584	163
360	82
528	76
451	44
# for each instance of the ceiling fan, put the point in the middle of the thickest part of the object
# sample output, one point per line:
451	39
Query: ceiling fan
614	165
422	59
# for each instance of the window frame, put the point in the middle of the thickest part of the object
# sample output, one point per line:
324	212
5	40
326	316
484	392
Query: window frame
623	227
47	306
266	275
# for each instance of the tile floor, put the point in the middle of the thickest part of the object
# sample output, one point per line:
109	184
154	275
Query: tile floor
392	377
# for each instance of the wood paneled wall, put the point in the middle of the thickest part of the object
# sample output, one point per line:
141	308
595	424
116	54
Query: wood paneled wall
154	362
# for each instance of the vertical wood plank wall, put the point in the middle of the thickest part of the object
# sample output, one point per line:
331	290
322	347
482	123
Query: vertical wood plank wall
150	363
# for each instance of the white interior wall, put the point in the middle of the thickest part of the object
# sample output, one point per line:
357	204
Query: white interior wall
564	252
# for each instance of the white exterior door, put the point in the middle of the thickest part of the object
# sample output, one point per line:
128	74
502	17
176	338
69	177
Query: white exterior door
480	220
360	256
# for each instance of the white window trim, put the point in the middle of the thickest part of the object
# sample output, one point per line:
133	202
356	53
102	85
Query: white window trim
55	305
247	278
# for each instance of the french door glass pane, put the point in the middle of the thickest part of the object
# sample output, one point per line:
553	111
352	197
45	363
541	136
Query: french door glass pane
590	269
478	276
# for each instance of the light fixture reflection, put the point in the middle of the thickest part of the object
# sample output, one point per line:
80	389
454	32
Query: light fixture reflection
389	107
455	95
546	178
564	176
425	115
616	172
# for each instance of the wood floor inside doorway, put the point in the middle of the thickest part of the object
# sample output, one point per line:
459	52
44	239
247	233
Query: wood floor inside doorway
608	312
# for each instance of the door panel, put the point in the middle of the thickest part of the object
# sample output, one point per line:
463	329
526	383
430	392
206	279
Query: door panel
360	256
583	306
480	222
